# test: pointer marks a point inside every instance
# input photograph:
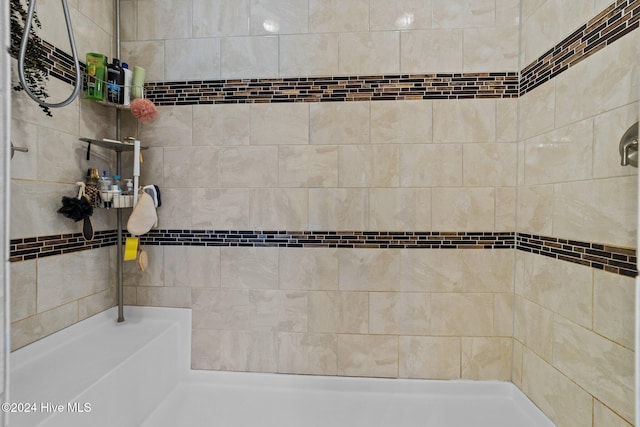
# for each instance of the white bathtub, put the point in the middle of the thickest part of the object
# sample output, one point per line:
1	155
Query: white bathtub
137	374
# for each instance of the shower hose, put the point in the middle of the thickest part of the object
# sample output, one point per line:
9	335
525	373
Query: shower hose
74	54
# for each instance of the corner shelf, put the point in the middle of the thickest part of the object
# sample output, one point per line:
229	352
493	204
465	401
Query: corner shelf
114	105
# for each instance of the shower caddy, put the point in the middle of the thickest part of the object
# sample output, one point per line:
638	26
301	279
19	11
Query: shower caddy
119	147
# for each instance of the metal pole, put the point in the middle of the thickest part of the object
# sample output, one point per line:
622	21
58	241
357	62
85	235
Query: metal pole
119	248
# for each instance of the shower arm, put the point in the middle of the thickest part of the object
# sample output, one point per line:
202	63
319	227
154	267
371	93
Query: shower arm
23	52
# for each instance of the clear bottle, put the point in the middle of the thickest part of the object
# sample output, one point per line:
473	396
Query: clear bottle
116	188
129	186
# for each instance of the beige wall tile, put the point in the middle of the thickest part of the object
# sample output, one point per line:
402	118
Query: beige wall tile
464	120
308	166
274	124
220	209
309	55
404	122
597	210
368	355
33	328
338	209
431	270
340	123
176	209
535	209
192	266
96	303
516	375
279	209
562	287
399	14
249	167
507	12
368	166
533	326
249	57
308	268
168	20
463	13
507	120
488	270
23	289
565	154
184	65
369	52
600	366
339	312
315	354
147	54
249	268
430	165
604	417
494	48
506	202
369	270
463	209
565	403
173	130
613	307
65	278
400	209
24	134
440	51
462	314
221	124
279	16
486	358
221	18
537	110
192	167
399	313
248	351
429	357
338	15
248	309
164	296
489	164
609	77
503	315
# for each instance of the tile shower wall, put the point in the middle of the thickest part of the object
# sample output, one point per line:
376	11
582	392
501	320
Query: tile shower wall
573	352
50	294
445	165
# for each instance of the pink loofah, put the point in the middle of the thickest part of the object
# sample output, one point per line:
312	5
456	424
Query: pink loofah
143	109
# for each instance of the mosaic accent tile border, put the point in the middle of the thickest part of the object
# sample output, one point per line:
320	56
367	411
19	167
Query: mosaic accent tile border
57	244
336	89
333	239
613	259
617	20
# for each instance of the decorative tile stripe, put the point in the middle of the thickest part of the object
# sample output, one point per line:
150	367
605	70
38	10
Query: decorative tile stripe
332	239
336	89
615	21
57	244
613	259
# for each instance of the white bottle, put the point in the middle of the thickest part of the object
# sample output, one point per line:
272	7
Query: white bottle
128	82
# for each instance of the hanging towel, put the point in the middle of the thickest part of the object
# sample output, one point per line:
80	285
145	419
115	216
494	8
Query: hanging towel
144	216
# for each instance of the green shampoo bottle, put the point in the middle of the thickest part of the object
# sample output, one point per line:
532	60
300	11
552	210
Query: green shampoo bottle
96	76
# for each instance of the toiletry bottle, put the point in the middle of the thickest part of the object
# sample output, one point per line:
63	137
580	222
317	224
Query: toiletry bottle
128	81
115	82
96	76
115	184
137	89
129	186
